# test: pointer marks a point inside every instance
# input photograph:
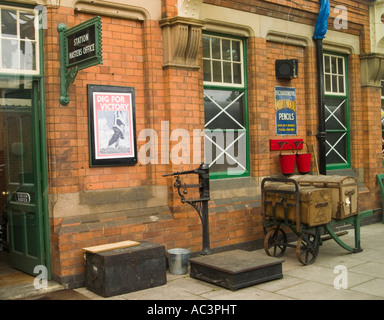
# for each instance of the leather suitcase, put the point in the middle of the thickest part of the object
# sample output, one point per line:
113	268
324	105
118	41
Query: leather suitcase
315	203
125	270
344	192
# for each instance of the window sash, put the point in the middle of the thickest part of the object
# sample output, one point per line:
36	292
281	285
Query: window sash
334	74
24	56
223	61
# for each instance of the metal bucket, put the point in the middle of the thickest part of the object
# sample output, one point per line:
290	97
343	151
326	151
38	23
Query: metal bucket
287	161
178	260
303	160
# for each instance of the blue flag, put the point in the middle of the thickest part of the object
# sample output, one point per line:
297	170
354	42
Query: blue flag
322	20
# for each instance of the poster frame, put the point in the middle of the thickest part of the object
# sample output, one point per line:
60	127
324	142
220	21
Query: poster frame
98	155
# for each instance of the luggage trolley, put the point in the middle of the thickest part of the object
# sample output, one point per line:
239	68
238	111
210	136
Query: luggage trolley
308	210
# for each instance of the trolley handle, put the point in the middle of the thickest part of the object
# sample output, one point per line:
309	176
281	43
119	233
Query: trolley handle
284	180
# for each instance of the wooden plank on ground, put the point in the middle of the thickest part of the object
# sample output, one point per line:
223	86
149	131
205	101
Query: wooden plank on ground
112	246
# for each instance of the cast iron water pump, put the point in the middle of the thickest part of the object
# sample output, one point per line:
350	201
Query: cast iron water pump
200	204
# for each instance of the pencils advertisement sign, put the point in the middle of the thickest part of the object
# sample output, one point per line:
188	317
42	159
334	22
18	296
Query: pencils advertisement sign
285	107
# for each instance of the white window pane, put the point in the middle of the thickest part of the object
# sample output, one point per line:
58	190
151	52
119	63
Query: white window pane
236	54
10	54
340	66
327	83
334	84
237	77
216	69
333	65
216	48
227	71
27	55
9	23
27	25
206	47
327	68
341	84
226	47
207	70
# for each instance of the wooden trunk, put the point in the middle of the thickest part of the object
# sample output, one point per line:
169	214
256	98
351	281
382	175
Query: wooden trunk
315	204
344	192
125	270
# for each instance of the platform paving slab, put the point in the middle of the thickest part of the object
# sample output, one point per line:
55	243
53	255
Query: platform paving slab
312	282
311	290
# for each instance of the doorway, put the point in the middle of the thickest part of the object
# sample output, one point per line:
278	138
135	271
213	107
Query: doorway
21	175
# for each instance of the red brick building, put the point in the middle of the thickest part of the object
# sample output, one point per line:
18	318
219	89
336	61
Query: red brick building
200	71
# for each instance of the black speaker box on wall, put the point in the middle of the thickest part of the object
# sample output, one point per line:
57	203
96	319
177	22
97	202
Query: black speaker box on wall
286	69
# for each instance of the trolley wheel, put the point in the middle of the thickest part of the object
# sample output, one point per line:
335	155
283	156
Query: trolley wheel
307	247
275	242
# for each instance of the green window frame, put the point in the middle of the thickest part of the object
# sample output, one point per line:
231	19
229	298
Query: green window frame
226	106
336	109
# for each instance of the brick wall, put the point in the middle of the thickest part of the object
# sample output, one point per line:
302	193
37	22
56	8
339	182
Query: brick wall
133	56
280	51
306	12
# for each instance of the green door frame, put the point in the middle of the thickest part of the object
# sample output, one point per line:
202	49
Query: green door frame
40	137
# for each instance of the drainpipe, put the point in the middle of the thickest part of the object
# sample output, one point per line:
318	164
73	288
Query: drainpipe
320	31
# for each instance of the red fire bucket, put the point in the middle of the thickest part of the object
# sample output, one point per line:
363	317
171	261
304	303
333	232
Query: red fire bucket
303	161
287	161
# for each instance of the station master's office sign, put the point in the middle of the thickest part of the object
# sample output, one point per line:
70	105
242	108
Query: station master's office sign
285	107
80	48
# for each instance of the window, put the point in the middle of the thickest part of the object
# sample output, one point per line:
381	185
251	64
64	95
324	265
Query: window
225	104
222	61
18	41
334	74
336	112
